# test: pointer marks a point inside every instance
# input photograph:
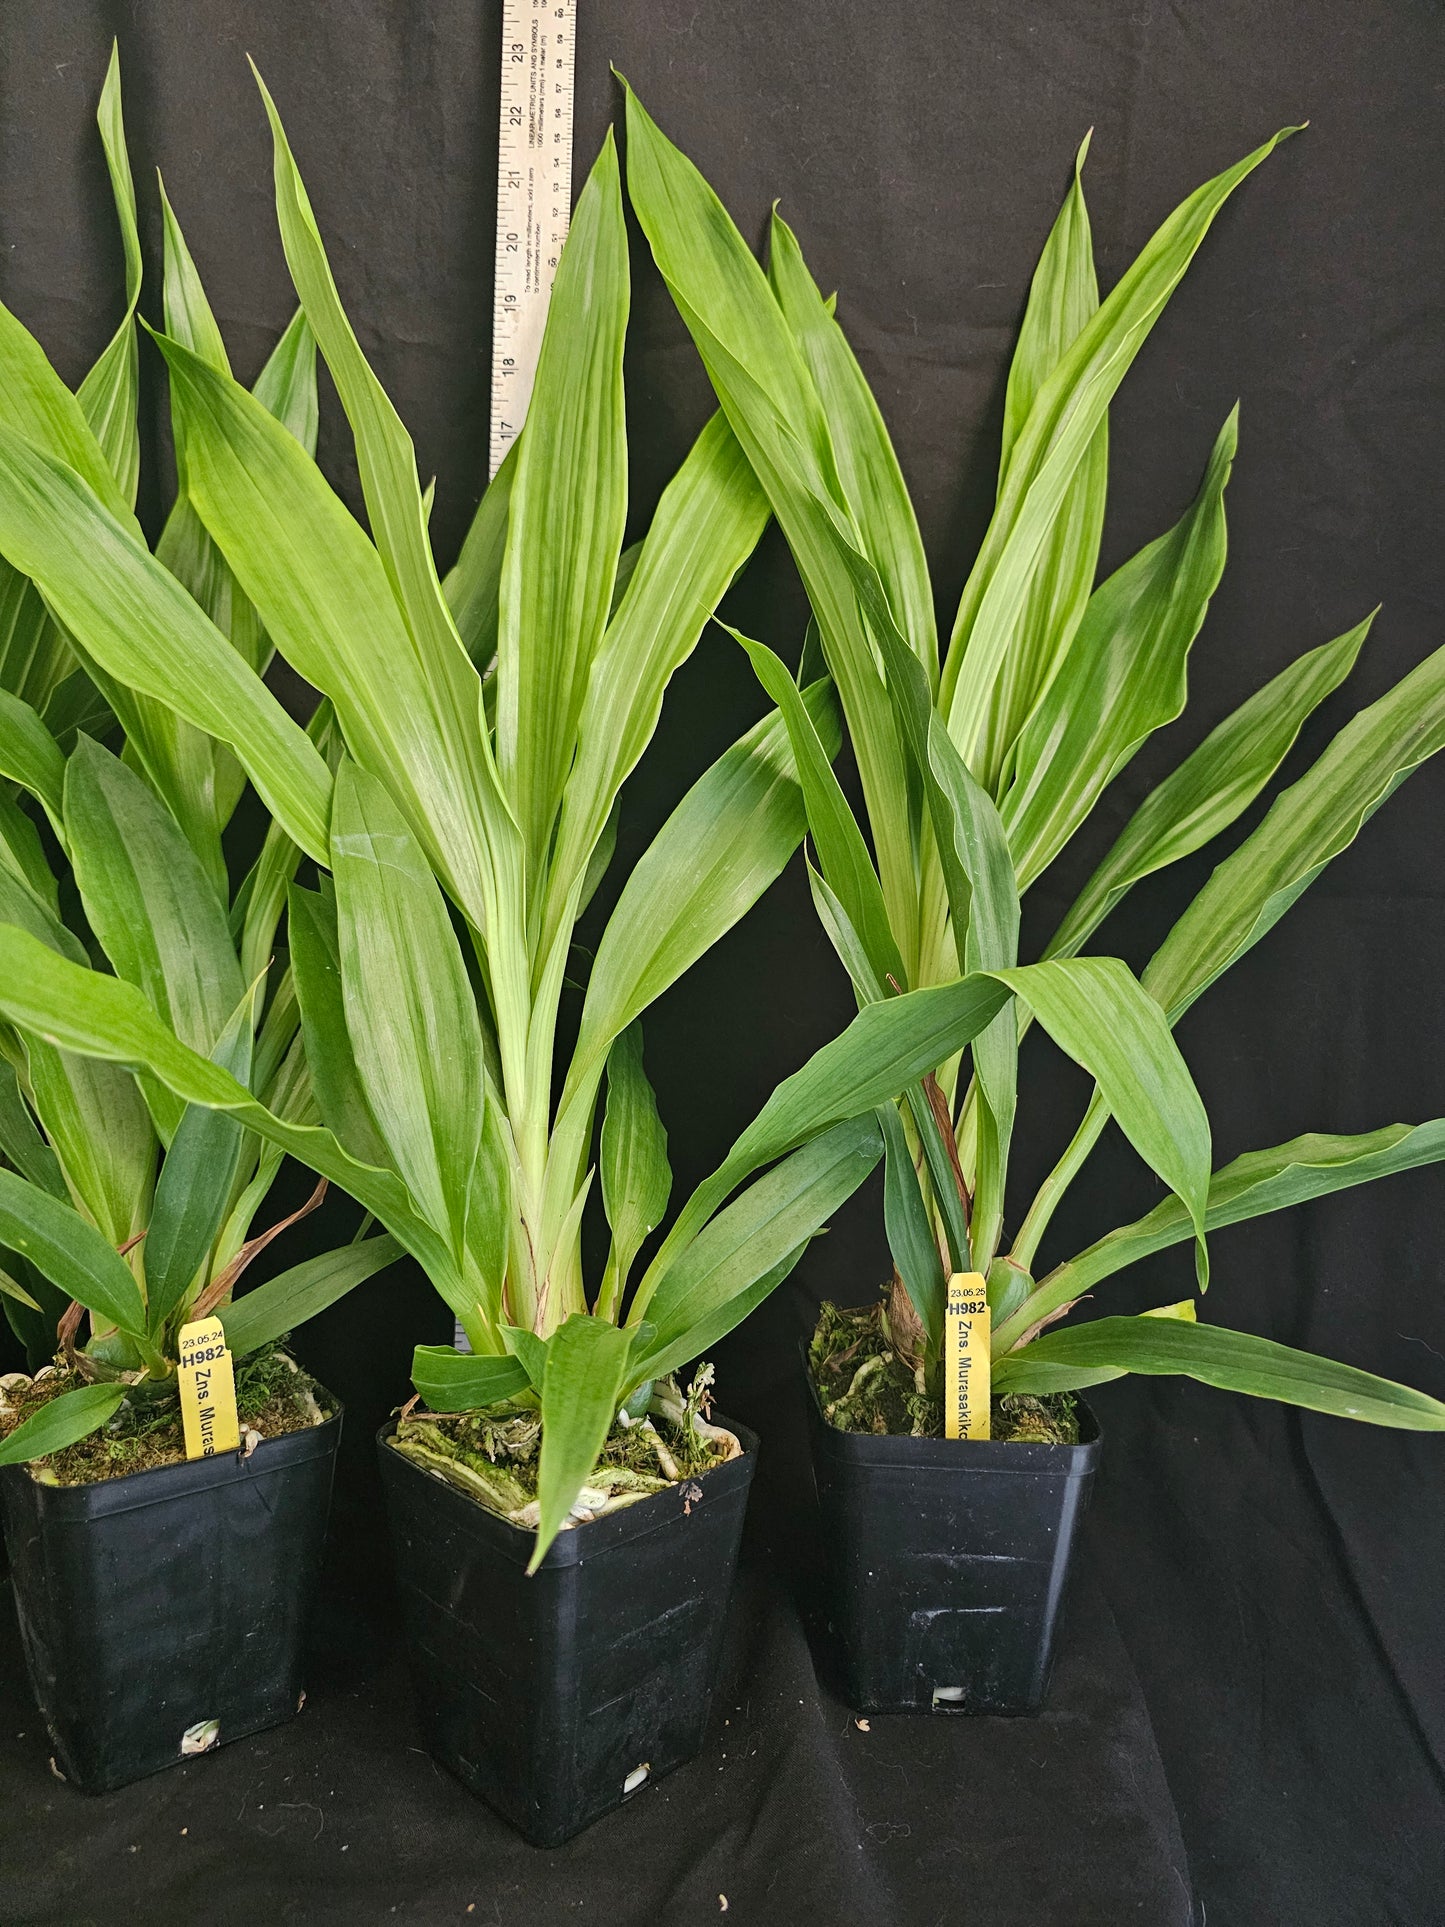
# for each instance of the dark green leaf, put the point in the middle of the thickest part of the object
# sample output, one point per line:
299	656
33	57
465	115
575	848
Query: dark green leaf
72	1416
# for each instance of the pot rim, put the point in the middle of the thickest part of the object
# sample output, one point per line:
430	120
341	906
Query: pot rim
575	1543
954	1456
160	1484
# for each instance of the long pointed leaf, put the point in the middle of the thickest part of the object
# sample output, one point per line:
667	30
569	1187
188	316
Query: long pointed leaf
1063	298
148	899
1306	1167
98	1016
581	1389
567	513
288	1300
64	1421
110	394
1233	1361
636	1176
69	1252
194	1188
138	623
1212	786
1055	438
706	525
709	1289
1307	825
1123	677
867	466
410	1010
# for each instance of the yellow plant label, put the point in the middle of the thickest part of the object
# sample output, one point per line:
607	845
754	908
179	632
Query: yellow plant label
966	1357
208	1390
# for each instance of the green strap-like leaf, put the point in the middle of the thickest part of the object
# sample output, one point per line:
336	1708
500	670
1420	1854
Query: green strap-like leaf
842	851
68	1251
887	1047
911	1242
726	841
1060	427
23	854
443	776
64	1421
21	1144
1063	298
1306	1167
867	466
453	1381
196	1180
1212	786
636	1176
1234	1361
708	1289
93	1115
385	456
410	1009
1123	677
110	394
1307	825
567	513
99	1016
138	623
289	1299
706	525
30	756
326	601
148	899
473	586
770	400
978	876
1094	1008
582	1387
316	969
257	906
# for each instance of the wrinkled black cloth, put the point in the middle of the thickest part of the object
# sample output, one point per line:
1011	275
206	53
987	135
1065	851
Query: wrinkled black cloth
793	1810
1274	1581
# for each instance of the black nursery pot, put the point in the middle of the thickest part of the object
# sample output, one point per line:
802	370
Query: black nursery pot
154	1604
947	1563
557	1697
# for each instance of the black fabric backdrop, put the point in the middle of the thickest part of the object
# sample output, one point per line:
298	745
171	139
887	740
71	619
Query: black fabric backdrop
1249	1717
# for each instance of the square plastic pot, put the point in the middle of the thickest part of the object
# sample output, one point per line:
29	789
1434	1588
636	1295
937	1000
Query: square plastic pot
557	1697
947	1563
156	1606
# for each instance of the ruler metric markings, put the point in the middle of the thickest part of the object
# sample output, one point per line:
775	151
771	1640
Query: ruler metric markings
534	210
534	198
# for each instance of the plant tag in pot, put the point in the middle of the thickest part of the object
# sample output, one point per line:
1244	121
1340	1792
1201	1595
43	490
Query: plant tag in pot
966	1358
208	1390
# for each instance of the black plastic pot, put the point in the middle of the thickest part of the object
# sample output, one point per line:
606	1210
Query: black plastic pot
947	1562
557	1697
153	1605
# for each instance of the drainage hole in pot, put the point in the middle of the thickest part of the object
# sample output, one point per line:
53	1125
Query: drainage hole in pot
636	1778
949	1699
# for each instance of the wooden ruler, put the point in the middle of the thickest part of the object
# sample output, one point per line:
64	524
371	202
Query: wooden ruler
534	210
534	198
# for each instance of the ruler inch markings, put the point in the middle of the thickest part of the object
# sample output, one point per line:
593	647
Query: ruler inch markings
534	198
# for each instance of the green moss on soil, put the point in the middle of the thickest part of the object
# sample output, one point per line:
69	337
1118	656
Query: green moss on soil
273	1396
493	1455
866	1387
